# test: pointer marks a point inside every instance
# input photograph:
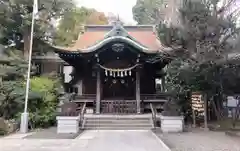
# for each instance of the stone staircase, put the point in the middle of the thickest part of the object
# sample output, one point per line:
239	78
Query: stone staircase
118	122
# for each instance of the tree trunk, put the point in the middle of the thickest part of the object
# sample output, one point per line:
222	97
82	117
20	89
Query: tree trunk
26	39
215	109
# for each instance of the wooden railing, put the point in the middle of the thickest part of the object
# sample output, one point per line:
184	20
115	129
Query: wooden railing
154	115
142	96
84	98
82	120
154	96
119	106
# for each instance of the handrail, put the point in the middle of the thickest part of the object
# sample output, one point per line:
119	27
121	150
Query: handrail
82	114
154	119
154	96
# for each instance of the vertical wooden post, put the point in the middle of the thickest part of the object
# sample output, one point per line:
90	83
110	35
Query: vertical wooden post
138	92
194	118
80	87
163	84
205	111
98	93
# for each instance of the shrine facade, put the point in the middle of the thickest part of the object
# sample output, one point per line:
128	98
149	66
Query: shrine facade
115	69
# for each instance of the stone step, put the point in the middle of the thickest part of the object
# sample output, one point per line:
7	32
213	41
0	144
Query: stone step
118	124
118	128
118	121
89	123
113	118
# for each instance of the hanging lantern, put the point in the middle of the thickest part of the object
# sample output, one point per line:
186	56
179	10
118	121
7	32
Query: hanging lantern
125	72
111	73
114	74
118	74
130	72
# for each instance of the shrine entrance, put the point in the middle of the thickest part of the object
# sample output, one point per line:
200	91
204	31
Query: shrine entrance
119	88
119	95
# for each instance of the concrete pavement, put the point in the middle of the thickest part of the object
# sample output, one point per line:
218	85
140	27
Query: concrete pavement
104	140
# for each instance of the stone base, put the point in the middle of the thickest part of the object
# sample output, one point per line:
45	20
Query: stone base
24	123
68	124
171	123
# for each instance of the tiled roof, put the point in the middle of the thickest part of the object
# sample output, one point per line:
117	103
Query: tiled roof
89	39
147	39
144	35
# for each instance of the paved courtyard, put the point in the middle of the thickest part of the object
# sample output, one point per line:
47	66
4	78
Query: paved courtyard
88	141
201	141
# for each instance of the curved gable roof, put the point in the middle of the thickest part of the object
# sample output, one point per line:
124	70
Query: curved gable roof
142	37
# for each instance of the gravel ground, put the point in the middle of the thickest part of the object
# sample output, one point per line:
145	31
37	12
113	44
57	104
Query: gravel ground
198	140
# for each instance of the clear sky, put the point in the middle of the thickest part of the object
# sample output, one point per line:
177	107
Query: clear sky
123	8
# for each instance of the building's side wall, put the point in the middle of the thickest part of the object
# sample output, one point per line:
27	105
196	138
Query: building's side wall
89	85
147	81
49	67
147	85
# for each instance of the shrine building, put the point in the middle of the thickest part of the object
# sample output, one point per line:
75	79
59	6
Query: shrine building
115	69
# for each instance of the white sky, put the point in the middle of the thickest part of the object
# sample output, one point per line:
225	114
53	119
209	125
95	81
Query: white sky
123	8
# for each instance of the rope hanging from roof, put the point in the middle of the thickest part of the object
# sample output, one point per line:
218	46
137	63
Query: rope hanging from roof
118	72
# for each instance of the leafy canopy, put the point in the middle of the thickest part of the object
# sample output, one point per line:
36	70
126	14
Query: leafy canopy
147	11
205	43
72	24
15	19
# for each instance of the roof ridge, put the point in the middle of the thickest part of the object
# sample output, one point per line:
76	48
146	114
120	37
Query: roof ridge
122	25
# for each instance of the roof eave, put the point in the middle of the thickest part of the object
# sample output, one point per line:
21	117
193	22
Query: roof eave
118	39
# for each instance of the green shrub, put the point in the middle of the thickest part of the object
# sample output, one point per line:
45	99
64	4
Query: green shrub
43	111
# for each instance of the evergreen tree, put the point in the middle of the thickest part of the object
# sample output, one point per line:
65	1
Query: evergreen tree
204	43
15	21
13	69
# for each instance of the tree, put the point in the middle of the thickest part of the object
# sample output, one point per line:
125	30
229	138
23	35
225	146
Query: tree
43	93
147	11
72	24
16	21
96	18
12	88
204	42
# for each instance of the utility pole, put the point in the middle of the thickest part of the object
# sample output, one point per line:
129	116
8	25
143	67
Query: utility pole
24	115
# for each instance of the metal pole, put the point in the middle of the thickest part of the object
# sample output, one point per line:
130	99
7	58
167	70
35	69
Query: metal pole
24	116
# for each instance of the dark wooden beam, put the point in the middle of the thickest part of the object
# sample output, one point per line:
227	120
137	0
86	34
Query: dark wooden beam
138	92
98	93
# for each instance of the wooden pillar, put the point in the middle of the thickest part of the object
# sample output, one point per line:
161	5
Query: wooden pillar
205	111
138	92
80	87
98	93
163	84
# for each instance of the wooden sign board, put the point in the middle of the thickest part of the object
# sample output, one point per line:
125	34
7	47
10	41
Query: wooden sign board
197	103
